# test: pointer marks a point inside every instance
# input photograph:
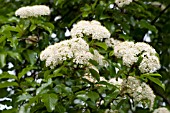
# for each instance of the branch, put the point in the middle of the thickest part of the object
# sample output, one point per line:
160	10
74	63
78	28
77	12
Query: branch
160	14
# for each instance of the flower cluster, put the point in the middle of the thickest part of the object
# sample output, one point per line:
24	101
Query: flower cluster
76	49
139	91
93	29
130	52
161	110
121	3
33	11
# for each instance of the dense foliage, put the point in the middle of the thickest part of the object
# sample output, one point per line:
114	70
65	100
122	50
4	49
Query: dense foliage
30	84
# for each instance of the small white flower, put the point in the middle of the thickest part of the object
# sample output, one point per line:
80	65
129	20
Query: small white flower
33	11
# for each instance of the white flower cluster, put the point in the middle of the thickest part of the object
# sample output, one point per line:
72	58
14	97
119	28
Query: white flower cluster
121	3
139	91
76	49
161	110
33	11
93	29
130	52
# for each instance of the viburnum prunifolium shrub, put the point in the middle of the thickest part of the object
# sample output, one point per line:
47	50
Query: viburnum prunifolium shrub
89	72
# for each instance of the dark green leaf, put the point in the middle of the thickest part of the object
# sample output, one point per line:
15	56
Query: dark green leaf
60	108
146	24
95	74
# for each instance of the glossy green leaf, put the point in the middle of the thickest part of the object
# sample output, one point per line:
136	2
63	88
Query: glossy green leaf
15	55
157	81
110	97
102	45
32	27
7	84
31	56
24	97
3	59
7	75
50	101
25	70
93	96
43	86
45	27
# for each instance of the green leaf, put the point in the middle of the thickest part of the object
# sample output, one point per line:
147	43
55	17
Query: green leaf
86	8
157	81
23	97
50	25
50	101
32	27
43	86
151	74
47	73
125	37
15	55
7	84
145	24
91	104
56	73
93	95
60	108
111	53
14	110
45	27
110	97
93	62
95	74
102	45
25	70
13	41
7	75
31	56
2	59
83	97
2	38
